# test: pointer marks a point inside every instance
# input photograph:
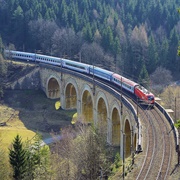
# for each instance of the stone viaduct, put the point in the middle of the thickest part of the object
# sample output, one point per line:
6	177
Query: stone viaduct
95	103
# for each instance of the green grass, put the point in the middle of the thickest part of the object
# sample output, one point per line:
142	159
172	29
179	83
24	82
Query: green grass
28	112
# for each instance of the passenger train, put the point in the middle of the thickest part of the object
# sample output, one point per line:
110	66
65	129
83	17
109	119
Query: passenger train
142	94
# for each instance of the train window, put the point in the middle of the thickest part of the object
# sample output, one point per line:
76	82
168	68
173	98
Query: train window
74	65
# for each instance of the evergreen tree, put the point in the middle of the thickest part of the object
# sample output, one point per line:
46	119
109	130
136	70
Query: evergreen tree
164	53
108	39
3	72
17	158
153	57
1	46
64	12
173	45
144	77
88	33
179	46
117	51
18	25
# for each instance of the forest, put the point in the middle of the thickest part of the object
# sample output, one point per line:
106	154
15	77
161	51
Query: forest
132	37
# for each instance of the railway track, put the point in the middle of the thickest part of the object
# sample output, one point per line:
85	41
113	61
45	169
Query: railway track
158	150
150	149
159	145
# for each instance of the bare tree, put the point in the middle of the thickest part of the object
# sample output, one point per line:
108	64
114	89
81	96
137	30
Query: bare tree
82	155
160	79
121	32
41	32
62	152
66	42
94	54
171	99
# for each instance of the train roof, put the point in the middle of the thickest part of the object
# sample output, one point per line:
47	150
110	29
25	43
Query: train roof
102	70
19	52
127	81
144	90
45	56
75	62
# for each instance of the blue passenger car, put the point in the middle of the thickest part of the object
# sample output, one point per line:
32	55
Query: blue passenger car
101	73
76	66
20	55
48	59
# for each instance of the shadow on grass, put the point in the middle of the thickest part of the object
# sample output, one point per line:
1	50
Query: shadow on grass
36	111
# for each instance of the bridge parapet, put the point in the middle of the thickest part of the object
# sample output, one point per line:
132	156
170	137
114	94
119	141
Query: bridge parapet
171	122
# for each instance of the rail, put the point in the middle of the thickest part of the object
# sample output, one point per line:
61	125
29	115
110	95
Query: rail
171	122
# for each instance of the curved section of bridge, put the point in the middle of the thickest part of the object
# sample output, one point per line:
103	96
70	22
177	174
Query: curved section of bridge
102	108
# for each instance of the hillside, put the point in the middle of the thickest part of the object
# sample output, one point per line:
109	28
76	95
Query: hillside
30	106
126	36
17	70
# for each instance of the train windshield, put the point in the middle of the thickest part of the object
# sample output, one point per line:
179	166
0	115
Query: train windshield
150	98
145	91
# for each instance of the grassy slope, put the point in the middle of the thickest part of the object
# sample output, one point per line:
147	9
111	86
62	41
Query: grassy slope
28	112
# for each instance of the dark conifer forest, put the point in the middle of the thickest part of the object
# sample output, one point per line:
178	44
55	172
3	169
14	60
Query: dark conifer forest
131	37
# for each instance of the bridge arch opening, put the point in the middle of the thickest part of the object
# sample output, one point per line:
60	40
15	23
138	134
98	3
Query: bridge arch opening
53	88
70	97
102	115
87	107
127	139
115	127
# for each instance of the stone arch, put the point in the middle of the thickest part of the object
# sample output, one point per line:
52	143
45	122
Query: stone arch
53	88
127	143
102	113
87	104
116	125
71	93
